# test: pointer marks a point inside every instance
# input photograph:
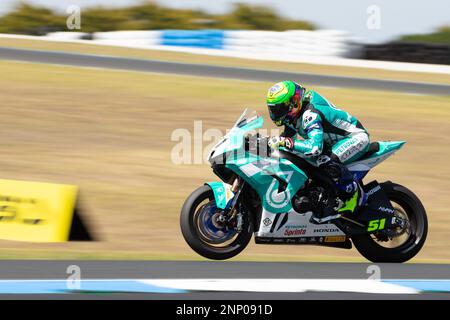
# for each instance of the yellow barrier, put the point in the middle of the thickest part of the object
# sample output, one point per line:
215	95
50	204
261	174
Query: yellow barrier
36	211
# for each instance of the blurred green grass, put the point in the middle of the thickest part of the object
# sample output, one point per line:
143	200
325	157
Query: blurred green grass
109	132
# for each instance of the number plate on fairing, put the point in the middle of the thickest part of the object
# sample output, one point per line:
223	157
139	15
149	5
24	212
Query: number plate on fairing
378	213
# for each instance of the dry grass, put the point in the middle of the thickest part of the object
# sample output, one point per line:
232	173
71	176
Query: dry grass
225	61
109	132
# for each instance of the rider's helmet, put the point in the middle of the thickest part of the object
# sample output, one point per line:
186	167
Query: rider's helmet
284	101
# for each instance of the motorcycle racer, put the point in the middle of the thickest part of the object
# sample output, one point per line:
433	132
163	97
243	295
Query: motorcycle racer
331	137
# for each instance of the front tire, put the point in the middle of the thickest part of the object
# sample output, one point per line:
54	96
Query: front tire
372	249
199	233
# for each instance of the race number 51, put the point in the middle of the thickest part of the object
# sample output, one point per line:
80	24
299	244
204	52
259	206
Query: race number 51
376	225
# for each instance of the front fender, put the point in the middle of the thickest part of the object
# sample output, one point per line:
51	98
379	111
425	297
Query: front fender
222	193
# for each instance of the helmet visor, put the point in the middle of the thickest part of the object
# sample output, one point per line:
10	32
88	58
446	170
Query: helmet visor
278	111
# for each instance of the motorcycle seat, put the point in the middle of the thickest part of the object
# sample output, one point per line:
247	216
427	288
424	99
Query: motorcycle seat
373	147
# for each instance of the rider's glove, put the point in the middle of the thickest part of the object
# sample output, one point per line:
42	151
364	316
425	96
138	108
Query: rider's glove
276	142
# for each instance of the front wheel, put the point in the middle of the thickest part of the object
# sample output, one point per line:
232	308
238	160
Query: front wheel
205	233
402	244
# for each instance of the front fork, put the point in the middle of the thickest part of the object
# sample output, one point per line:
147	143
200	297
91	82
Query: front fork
236	210
226	194
227	200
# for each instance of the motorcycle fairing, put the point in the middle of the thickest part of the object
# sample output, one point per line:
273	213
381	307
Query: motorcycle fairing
294	225
222	193
378	208
275	180
361	167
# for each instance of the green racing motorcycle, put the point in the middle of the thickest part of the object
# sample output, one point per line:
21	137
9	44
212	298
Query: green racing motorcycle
274	195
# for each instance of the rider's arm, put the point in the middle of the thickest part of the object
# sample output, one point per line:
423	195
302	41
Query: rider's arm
312	125
288	132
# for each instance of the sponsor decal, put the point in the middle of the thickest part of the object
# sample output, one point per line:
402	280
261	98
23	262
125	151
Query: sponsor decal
335	239
220	195
279	199
383	209
308	117
300	240
298	226
370	192
294	232
350	151
267	222
312	240
326	230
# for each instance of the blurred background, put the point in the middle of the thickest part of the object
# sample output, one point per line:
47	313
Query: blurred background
111	131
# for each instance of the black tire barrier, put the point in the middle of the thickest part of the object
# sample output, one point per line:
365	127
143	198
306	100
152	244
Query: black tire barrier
408	52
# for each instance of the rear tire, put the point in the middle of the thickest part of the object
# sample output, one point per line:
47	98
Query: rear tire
193	237
371	250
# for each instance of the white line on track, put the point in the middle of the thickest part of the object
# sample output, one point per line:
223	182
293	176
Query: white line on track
283	285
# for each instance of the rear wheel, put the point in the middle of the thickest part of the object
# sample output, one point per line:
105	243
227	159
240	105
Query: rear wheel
206	233
404	242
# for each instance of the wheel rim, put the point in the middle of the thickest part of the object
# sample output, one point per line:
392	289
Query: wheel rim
400	236
209	230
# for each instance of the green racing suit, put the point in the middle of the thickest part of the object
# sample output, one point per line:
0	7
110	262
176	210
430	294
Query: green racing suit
331	138
325	127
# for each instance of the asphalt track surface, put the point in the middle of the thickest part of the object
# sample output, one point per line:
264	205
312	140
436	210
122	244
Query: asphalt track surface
145	65
42	269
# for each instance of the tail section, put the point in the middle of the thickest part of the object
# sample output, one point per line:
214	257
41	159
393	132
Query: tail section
378	152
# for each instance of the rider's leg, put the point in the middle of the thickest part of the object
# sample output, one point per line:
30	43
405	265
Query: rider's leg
343	152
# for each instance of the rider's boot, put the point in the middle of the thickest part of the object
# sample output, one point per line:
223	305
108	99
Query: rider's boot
351	199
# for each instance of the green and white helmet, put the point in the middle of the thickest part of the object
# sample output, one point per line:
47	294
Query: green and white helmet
284	101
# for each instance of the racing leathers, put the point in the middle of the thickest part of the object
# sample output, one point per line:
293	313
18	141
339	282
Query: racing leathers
325	127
